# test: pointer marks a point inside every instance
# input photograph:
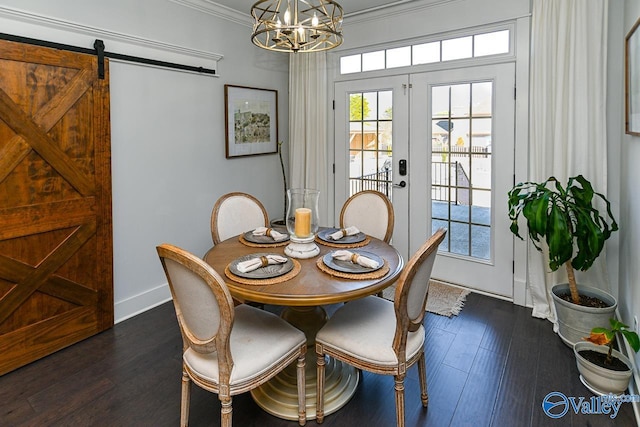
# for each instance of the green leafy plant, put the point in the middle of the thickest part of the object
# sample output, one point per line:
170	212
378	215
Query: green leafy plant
604	336
573	228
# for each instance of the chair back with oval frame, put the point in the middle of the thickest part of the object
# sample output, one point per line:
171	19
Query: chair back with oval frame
371	212
235	213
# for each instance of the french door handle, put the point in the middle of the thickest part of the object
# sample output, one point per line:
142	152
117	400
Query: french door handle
402	184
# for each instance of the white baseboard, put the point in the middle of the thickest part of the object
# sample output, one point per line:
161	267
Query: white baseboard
140	303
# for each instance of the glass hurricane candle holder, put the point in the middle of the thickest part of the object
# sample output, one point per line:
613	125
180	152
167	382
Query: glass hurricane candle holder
302	222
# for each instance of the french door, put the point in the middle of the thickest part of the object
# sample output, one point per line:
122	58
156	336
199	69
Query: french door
441	145
371	134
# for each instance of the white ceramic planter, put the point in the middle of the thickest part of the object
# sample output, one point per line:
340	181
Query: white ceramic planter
576	321
601	380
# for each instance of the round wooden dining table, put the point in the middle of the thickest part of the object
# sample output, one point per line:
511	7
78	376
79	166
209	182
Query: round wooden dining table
303	297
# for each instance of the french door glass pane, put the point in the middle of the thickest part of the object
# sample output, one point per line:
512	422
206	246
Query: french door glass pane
370	141
461	124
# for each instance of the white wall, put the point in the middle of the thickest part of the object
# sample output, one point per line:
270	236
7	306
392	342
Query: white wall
168	134
629	251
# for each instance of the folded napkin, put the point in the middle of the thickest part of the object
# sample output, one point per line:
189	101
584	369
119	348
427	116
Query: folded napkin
257	262
362	260
264	231
349	231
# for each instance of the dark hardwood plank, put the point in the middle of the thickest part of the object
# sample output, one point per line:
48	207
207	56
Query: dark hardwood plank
490	366
480	391
517	386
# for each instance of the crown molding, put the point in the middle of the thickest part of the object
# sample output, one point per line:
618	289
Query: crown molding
217	10
400	7
95	32
392	8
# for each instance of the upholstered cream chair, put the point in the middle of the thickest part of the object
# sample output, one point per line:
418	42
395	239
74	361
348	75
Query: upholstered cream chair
370	211
226	350
235	213
382	336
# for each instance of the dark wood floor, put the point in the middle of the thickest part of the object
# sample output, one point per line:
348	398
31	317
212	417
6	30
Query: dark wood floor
490	366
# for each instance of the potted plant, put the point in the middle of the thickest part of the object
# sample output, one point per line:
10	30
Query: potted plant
281	222
602	369
575	232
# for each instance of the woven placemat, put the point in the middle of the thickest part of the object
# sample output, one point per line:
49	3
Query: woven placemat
262	245
365	242
381	272
271	281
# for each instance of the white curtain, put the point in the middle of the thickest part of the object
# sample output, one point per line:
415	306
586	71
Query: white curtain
308	124
567	118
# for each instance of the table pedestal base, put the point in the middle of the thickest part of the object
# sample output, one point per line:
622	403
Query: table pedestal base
279	396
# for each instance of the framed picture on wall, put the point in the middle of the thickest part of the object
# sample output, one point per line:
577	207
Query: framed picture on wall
251	121
632	81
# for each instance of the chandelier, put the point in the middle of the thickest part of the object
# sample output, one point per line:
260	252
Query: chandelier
297	25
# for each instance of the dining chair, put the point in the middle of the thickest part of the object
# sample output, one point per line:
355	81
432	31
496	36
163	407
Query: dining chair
235	213
370	211
381	336
227	350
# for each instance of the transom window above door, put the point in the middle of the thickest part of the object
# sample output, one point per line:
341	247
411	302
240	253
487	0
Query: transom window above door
450	49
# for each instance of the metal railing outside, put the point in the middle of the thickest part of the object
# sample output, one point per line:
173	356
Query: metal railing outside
449	183
379	181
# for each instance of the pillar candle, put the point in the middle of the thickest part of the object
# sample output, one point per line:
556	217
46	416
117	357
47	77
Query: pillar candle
303	222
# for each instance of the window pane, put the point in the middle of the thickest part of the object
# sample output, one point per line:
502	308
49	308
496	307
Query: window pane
400	57
481	209
370	105
370	138
440	101
460	100
355	106
426	53
481	95
481	242
373	61
459	234
491	43
350	64
457	48
385	135
386	104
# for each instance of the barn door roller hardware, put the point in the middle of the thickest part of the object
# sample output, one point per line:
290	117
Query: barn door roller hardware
101	54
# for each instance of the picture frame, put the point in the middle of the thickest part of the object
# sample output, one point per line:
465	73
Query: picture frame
632	81
251	121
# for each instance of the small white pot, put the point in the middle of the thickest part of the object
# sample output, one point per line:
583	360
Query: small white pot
598	379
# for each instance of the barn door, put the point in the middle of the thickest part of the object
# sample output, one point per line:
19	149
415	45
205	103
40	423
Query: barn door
56	275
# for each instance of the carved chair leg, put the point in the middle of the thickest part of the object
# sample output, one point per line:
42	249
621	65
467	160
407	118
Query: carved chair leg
399	387
226	412
184	402
302	396
320	385
422	373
